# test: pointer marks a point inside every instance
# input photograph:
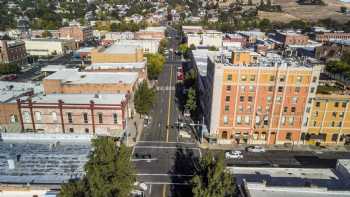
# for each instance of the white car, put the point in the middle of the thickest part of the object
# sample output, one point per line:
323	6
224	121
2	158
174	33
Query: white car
233	155
256	149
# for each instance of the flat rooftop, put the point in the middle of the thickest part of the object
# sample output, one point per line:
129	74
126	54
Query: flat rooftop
120	49
131	65
42	163
10	91
55	68
70	76
102	99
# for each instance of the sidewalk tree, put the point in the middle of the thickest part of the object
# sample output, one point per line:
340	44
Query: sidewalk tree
155	64
162	45
183	48
109	172
191	101
143	98
211	179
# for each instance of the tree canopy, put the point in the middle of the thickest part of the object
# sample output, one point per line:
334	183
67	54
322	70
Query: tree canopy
211	179
191	101
143	98
109	172
155	64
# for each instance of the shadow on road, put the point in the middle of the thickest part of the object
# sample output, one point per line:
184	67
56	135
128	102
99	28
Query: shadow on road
185	163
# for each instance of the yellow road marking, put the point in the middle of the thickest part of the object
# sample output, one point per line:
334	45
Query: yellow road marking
169	105
164	190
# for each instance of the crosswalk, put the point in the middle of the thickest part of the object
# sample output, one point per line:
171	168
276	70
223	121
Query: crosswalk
165	88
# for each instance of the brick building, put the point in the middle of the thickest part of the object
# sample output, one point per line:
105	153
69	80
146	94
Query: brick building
76	32
291	38
13	52
71	81
156	33
257	100
100	114
329	36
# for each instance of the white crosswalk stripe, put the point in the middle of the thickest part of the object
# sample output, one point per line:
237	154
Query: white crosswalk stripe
165	88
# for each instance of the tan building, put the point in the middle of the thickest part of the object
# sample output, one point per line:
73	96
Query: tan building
71	81
47	47
76	32
156	33
117	54
261	100
98	114
13	52
329	120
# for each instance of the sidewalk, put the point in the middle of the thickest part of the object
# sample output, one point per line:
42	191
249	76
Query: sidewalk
135	128
323	148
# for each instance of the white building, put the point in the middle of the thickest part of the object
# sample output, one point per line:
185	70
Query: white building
119	35
148	46
46	47
207	38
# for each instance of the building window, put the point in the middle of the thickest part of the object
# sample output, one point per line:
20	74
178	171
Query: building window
26	117
247	119
229	77
292	109
259	108
336	104
263	136
238	120
86	130
270	88
71	130
267	108
316	113
115	118
266	120
240	108
228	88
291	120
272	78
297	89
268	99
13	118
241	98
227	108
340	124
100	118
279	99
85	118
54	116
341	114
308	110
243	78
334	137
250	98
299	79
334	114
255	135
282	78
227	98
289	136
310	101
70	118
332	124
225	120
314	79
285	109
283	120
280	89
294	99
224	135
251	88
252	77
38	116
318	104
315	124
343	104
242	88
312	90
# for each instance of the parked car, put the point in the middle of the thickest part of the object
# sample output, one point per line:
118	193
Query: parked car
256	149
234	154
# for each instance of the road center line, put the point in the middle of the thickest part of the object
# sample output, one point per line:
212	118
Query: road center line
169	104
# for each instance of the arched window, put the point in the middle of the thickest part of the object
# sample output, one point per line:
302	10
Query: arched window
224	135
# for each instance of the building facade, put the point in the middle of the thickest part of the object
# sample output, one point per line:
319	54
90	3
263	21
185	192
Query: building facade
329	120
291	38
78	33
259	101
13	52
98	114
207	38
47	47
117	54
328	36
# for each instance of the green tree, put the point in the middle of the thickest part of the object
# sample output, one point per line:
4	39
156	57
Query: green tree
162	45
155	64
191	100
9	68
46	34
143	98
183	48
211	179
109	172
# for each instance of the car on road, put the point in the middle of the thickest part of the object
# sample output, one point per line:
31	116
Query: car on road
233	154
256	149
